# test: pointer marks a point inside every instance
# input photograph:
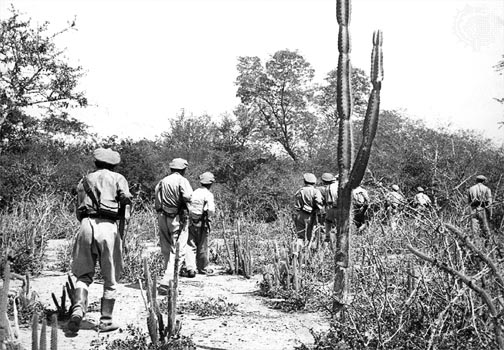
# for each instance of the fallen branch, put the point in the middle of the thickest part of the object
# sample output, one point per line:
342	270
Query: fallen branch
470	283
465	241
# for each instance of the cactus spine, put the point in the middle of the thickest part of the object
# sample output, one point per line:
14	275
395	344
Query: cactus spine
351	173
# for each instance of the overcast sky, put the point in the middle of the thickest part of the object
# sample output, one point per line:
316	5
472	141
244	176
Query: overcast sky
146	60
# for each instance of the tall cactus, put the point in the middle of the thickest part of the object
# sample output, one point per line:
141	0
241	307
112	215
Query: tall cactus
351	173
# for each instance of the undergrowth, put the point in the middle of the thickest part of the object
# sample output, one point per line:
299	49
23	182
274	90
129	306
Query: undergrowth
208	307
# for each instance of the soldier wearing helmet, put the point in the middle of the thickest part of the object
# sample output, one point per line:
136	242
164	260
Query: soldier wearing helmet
307	201
394	201
421	200
479	198
173	194
330	196
201	211
103	198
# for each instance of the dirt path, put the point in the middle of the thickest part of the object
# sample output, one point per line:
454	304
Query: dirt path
253	325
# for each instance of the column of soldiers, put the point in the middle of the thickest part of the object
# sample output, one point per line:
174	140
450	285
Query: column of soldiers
104	205
103	210
317	204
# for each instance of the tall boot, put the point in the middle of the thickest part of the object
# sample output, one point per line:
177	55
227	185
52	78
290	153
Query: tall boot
78	309
107	308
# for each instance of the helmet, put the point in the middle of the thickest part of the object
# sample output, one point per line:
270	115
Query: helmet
328	177
481	178
310	178
178	164
106	155
207	178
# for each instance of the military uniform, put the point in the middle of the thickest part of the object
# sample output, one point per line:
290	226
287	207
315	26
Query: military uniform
308	200
421	200
394	202
360	201
330	197
479	198
101	195
173	193
201	210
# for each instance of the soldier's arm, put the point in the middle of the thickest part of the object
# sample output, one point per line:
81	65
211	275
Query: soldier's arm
186	191
124	196
318	199
81	194
490	203
211	205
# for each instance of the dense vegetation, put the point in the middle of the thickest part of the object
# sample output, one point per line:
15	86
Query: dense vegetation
258	156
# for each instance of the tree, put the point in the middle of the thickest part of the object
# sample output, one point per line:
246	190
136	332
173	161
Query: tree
189	137
279	95
35	80
360	91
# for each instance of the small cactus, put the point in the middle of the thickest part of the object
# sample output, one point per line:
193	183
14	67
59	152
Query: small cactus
155	324
35	337
43	335
241	255
54	332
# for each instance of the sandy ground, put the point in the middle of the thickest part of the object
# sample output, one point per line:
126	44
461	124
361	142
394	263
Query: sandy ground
253	325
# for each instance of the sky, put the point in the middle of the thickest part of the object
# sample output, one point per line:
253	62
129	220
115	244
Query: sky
147	60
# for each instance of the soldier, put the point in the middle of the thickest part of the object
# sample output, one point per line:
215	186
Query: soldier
329	197
394	201
103	197
201	211
360	202
479	198
308	200
421	200
173	194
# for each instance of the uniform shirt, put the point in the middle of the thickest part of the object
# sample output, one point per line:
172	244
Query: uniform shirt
360	196
308	198
109	187
202	199
172	193
395	199
479	195
330	194
422	199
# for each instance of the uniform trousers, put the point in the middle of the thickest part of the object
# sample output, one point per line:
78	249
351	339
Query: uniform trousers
329	224
98	240
479	219
172	230
197	248
303	222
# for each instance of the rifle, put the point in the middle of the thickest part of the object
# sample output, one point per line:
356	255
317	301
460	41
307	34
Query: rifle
122	228
204	219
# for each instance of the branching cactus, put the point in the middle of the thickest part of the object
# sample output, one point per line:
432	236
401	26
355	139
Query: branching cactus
351	173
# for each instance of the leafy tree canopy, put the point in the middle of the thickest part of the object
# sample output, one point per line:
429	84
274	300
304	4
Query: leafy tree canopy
35	81
277	95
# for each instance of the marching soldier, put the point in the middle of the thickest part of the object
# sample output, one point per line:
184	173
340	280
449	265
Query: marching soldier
201	211
173	194
479	198
394	201
360	202
308	200
330	196
103	198
421	200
